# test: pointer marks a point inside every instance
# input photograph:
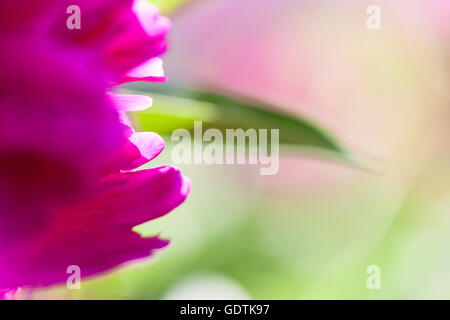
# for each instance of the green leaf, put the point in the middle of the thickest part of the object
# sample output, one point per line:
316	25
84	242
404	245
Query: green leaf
177	106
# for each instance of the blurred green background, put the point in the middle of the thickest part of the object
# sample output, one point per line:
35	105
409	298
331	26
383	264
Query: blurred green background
311	231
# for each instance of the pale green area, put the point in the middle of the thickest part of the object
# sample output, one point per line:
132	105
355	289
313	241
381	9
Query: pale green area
167	6
312	246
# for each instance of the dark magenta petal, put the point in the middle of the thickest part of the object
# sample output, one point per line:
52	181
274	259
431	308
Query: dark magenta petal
97	233
140	148
129	199
65	145
150	145
92	251
151	71
143	37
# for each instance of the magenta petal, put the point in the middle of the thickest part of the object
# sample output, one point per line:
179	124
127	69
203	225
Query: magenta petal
143	37
65	196
97	234
130	102
150	145
127	78
151	70
8	294
132	198
46	261
138	150
148	15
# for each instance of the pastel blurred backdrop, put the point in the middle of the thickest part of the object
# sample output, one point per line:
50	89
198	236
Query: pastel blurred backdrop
311	231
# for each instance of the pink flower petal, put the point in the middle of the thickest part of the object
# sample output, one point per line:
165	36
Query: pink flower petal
129	102
96	234
132	198
150	145
148	16
135	152
8	294
92	251
142	37
64	196
151	70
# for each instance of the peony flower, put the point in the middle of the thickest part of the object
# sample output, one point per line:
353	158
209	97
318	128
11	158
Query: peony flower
70	193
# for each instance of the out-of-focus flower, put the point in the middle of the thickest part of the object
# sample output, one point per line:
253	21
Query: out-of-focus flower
68	195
